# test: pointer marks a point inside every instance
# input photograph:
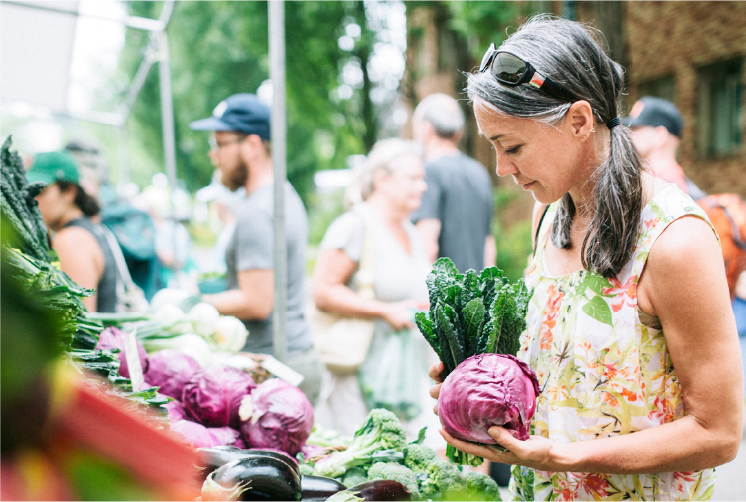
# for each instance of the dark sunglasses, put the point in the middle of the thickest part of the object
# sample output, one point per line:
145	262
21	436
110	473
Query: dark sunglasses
511	70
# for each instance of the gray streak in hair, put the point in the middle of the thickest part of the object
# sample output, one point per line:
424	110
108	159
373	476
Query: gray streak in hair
569	52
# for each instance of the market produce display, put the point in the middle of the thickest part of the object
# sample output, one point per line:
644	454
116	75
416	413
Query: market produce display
474	314
253	434
378	464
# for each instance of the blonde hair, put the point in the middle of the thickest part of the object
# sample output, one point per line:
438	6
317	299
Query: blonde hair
381	158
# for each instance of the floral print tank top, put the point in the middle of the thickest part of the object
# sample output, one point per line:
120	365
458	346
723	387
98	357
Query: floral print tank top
604	369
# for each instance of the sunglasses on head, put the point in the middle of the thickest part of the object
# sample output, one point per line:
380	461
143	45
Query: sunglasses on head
511	70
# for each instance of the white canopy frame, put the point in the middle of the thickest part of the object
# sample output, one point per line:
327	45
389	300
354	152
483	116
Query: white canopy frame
18	17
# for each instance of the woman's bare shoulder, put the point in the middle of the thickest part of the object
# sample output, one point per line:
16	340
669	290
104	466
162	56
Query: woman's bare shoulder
75	237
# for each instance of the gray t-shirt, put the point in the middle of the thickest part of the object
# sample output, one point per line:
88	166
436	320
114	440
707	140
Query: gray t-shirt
252	248
459	194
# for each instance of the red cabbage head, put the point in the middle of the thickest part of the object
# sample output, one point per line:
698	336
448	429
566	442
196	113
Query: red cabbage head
276	415
114	338
486	390
213	394
170	369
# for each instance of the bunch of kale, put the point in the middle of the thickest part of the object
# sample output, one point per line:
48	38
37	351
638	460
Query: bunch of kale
472	313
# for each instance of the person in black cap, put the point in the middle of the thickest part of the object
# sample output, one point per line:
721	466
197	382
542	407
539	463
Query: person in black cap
657	126
241	151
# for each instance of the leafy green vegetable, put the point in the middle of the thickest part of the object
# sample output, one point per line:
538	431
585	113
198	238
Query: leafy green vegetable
472	314
18	204
381	437
396	472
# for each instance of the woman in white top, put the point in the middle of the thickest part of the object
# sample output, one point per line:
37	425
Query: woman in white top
390	187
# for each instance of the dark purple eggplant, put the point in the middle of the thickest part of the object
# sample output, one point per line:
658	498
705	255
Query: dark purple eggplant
381	489
278	455
212	458
256	477
319	487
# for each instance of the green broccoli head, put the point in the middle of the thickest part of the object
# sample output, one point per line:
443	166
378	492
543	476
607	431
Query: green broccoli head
480	486
444	481
355	476
395	472
380	431
419	457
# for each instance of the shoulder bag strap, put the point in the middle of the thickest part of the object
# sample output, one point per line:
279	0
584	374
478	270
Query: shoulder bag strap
365	278
122	270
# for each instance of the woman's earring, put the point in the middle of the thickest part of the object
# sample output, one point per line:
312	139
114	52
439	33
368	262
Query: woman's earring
588	135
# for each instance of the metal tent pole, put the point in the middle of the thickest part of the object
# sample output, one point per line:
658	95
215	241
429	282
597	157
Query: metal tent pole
279	159
169	136
167	109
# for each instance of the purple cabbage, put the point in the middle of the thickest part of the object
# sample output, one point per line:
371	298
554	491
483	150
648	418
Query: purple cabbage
487	390
213	394
170	369
276	416
175	411
195	434
114	338
226	435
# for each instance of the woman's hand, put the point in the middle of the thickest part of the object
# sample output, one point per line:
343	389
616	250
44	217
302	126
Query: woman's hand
535	452
399	314
436	373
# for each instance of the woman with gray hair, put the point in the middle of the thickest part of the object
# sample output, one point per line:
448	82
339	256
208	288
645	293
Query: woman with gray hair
629	327
387	189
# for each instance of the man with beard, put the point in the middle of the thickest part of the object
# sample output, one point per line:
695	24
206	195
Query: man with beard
241	151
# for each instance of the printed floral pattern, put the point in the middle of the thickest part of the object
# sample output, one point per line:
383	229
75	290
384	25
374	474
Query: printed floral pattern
604	372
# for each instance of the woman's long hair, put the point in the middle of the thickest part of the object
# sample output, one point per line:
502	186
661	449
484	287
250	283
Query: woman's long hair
569	53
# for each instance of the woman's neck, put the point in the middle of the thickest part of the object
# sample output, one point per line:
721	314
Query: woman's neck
595	152
71	214
389	214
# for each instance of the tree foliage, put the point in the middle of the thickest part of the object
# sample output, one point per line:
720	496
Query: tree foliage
221	48
479	21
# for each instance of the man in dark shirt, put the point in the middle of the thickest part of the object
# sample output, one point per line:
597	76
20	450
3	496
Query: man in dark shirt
456	212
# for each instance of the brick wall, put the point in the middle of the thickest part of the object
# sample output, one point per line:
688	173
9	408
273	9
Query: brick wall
678	38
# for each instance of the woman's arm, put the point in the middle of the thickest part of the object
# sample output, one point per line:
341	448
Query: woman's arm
684	285
81	258
331	294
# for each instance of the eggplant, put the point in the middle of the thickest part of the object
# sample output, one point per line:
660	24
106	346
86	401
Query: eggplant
319	487
380	489
213	458
256	477
278	455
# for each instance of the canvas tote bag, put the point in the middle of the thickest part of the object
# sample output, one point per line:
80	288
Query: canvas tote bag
343	341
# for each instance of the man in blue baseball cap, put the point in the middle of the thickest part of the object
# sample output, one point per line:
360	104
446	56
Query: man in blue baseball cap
240	149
